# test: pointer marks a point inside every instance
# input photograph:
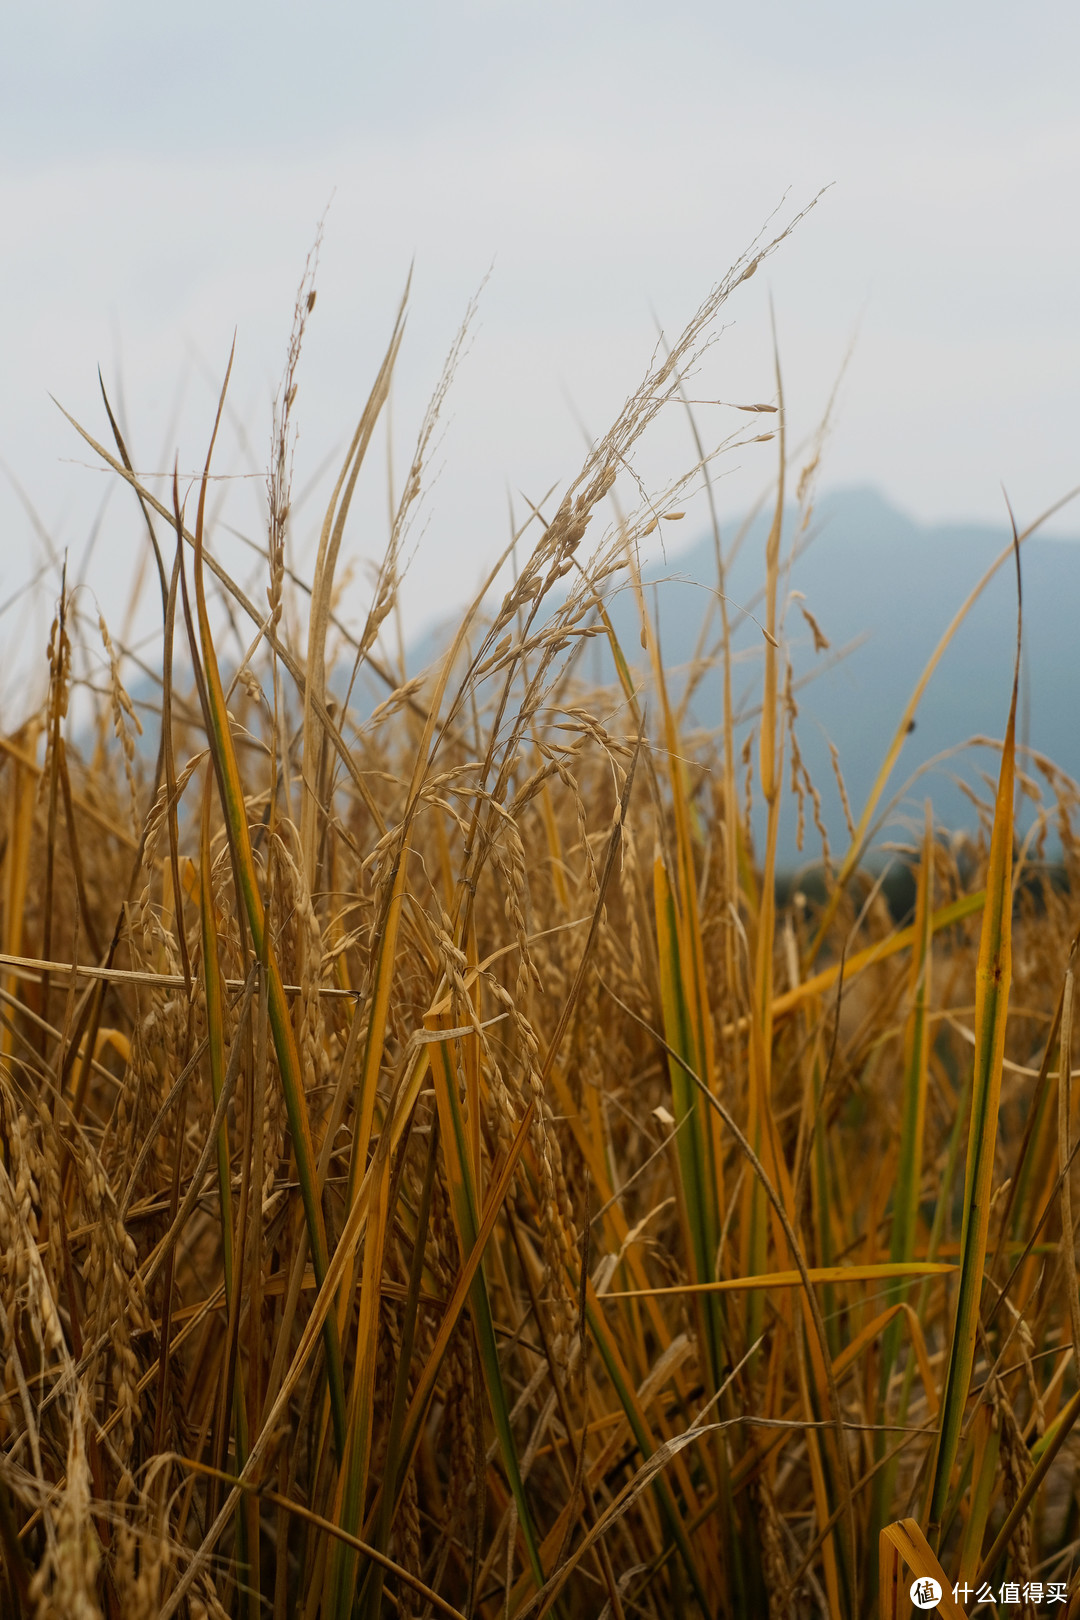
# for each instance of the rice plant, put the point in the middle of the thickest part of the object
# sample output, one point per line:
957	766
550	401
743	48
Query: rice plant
445	1170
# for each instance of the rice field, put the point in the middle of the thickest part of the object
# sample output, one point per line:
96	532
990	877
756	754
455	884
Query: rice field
446	1169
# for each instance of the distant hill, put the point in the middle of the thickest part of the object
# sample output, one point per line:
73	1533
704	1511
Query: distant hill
867	570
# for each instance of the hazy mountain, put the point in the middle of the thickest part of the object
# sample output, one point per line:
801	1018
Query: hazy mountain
869	571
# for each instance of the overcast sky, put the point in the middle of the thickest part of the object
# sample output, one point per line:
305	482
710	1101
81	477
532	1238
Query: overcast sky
162	173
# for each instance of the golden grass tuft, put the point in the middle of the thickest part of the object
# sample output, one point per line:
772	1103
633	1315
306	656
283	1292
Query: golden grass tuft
438	1172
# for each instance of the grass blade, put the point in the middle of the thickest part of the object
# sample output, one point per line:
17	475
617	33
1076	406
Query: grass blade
903	1544
233	803
463	1202
992	980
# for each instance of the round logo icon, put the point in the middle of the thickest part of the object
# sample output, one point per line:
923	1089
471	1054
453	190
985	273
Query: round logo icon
925	1592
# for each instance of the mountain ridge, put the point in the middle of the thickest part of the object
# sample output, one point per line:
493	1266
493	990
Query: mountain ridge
887	586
